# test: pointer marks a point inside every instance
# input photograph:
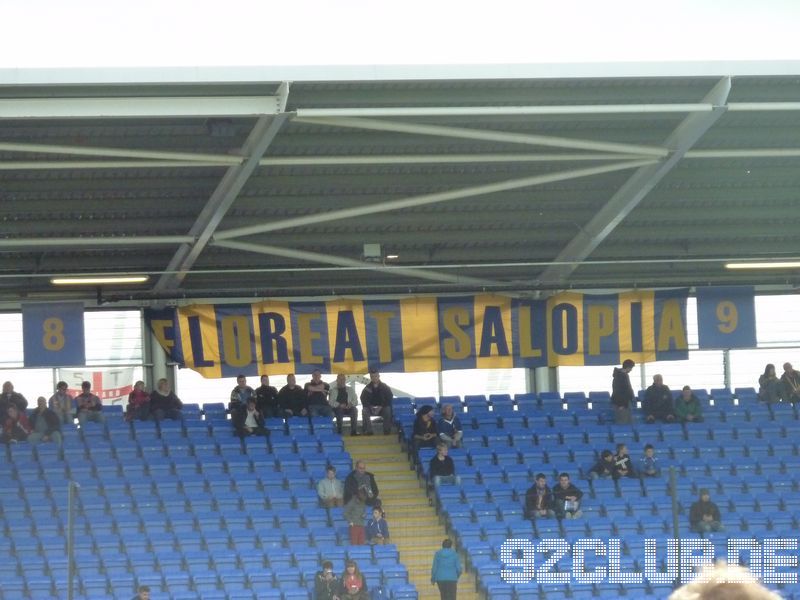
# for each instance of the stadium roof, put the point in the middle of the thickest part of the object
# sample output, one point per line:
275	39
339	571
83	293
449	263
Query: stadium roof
238	183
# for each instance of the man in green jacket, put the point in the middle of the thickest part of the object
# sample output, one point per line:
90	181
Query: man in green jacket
687	408
446	570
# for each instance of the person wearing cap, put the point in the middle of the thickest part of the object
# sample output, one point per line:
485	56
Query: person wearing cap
62	402
425	435
376	399
604	468
704	515
622	393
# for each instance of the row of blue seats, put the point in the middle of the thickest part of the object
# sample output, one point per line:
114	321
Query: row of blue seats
567	397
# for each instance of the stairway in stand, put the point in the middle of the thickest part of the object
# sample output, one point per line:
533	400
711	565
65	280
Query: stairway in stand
413	524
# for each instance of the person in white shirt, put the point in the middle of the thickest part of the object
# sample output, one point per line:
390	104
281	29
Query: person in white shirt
330	489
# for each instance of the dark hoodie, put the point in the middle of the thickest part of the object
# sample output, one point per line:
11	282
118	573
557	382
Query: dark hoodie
621	390
701	508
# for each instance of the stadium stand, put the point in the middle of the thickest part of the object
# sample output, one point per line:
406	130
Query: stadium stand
183	507
743	453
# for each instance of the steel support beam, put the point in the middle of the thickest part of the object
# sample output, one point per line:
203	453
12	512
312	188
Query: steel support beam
487	136
328	259
477	111
382	207
93	242
224	195
139	107
606	219
220	159
369	160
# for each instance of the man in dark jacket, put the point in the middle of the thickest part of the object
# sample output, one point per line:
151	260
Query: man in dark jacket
442	469
292	398
790	379
376	399
267	399
361	479
704	515
622	393
539	500
604	468
11	398
657	403
248	420
326	583
567	499
45	424
164	404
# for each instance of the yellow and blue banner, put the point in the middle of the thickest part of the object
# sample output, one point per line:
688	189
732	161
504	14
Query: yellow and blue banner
424	333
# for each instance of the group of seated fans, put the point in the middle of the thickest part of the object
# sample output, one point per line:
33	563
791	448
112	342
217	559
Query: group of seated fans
249	407
43	424
358	493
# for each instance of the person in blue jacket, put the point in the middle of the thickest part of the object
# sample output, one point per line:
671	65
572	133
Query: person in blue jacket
446	570
377	528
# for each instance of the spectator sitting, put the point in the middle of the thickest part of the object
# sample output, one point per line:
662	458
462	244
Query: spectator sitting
143	594
687	408
605	467
649	463
354	515
791	383
11	398
164	404
539	499
326	584
425	429
344	401
317	396
622	393
138	403
770	388
376	399
248	420
267	399
330	489
63	403
16	427
623	462
449	427
377	528
292	398
442	469
240	395
45	424
657	403
353	582
704	515
567	499
361	479
90	407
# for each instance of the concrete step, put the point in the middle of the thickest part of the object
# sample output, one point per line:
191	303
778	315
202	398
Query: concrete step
415	527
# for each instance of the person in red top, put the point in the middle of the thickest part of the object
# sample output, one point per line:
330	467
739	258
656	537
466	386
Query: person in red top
138	403
16	427
354	585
